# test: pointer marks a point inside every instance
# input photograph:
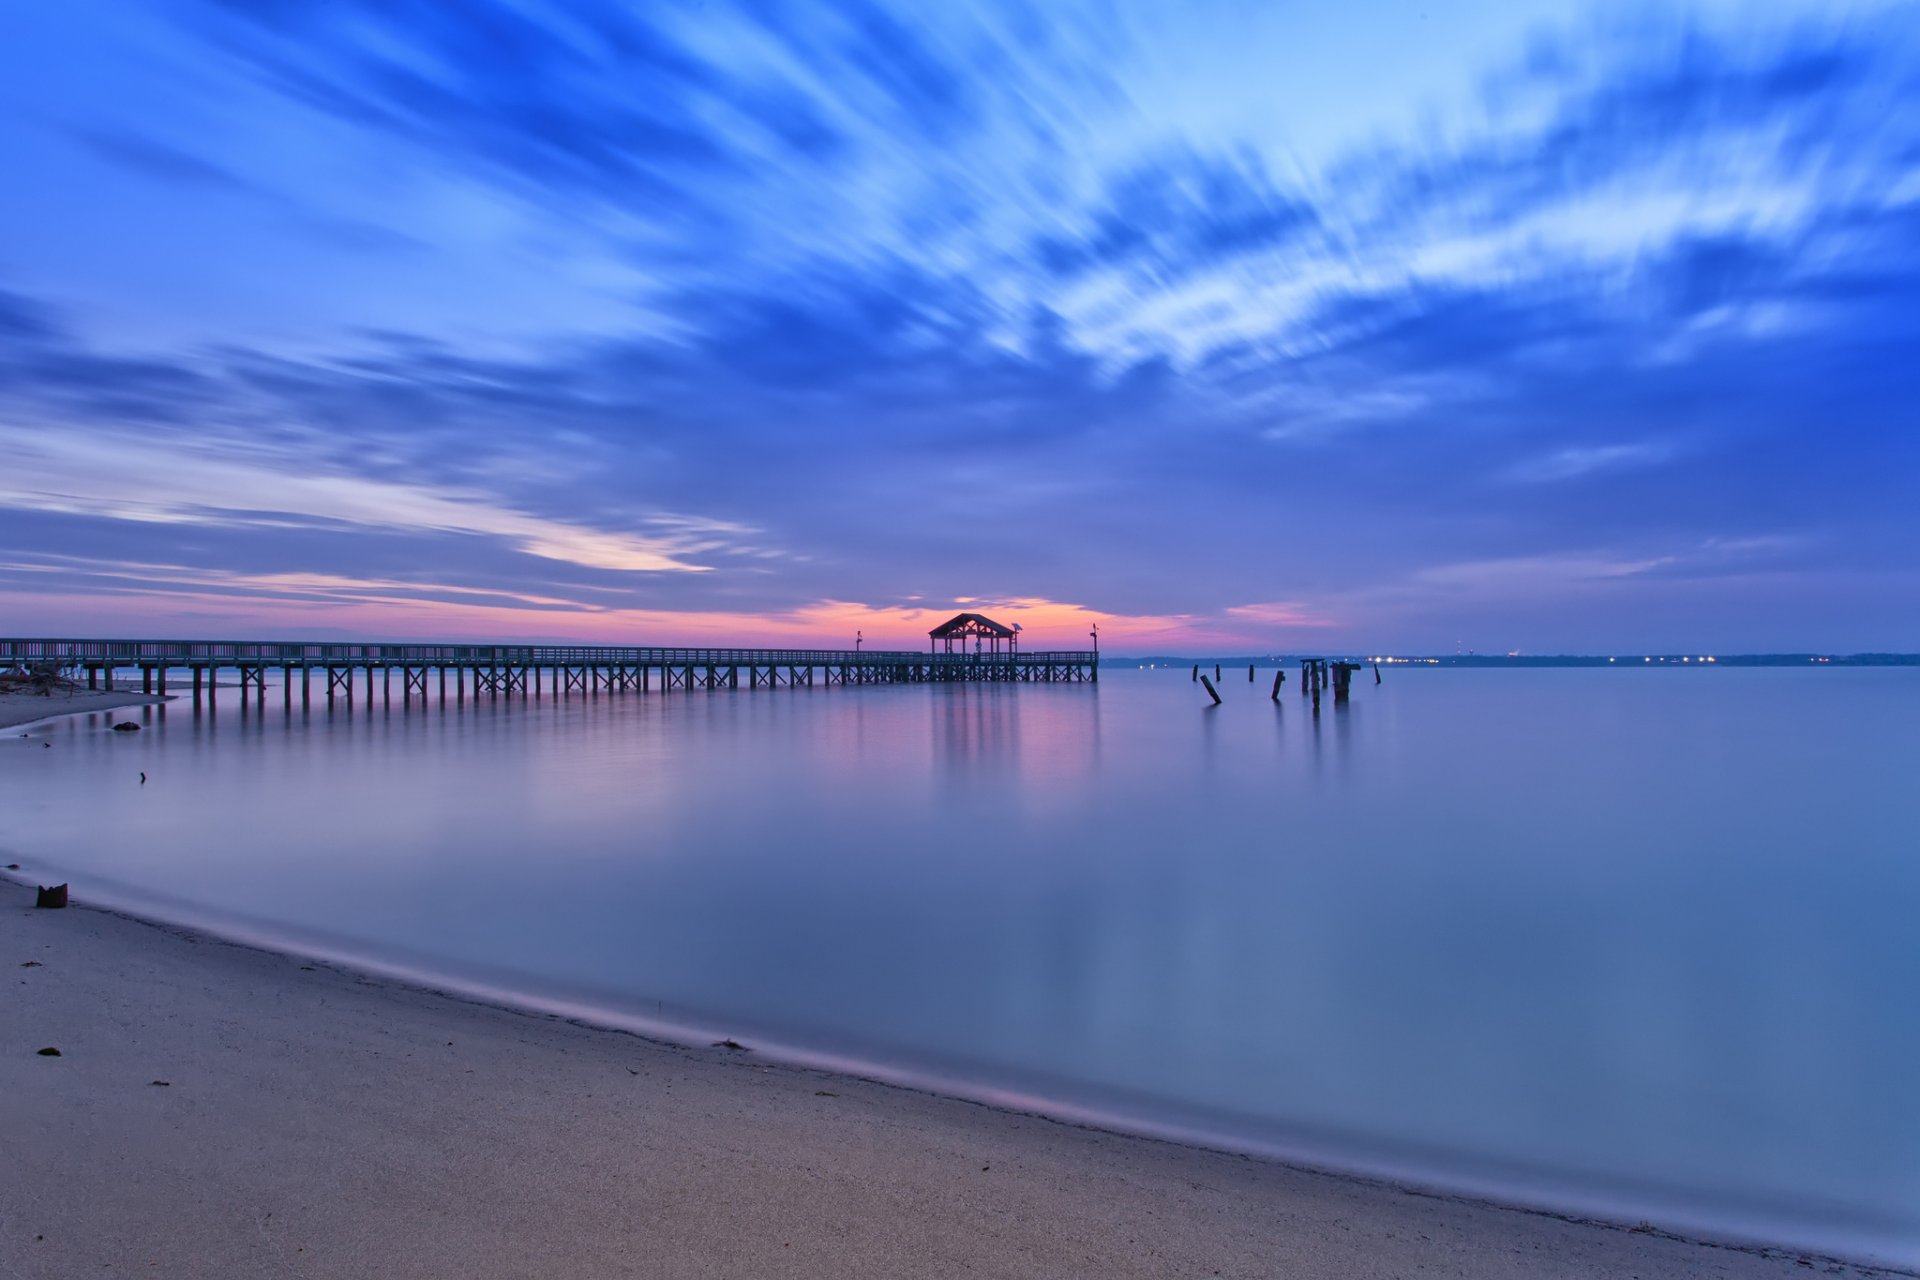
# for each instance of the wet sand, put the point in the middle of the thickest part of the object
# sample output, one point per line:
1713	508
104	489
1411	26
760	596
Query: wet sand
319	1122
26	708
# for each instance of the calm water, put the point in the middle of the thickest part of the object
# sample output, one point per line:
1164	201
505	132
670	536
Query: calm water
1636	941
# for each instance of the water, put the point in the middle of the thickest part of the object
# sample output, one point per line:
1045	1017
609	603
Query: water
1638	942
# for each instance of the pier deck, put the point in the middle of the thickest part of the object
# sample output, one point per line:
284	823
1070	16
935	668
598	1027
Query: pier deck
519	669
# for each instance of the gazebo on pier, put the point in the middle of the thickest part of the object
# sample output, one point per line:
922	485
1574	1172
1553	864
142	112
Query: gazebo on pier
986	634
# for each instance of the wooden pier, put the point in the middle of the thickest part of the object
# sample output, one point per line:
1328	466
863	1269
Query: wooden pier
335	671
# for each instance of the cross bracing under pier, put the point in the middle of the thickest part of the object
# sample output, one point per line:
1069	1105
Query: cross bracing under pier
516	670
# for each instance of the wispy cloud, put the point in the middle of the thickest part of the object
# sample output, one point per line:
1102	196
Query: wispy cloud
1578	461
197	482
747	310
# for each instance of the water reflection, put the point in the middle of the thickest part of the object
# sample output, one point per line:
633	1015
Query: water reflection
1642	940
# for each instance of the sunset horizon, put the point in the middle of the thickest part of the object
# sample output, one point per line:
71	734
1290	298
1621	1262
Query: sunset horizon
1569	332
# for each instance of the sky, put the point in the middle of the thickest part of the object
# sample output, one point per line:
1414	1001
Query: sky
1273	327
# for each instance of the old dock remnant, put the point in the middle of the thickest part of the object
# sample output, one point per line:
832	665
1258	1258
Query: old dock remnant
1343	679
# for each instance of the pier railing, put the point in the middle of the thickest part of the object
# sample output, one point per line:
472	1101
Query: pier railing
185	653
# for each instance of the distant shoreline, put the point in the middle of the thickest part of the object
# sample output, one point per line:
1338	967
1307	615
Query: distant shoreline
1505	661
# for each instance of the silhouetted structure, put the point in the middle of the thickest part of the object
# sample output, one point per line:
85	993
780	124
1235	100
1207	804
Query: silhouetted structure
986	634
566	669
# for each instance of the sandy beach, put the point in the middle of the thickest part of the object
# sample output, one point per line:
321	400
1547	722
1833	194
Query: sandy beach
26	708
218	1110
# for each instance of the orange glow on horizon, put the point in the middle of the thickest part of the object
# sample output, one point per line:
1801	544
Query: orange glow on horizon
371	611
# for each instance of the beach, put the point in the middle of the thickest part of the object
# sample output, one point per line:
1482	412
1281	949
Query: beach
27	708
220	1110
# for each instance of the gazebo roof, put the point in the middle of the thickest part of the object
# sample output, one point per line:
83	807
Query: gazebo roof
971	624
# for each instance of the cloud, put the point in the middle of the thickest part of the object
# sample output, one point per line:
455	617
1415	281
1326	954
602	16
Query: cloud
857	304
125	477
1174	214
24	324
1558	570
1284	614
156	159
1578	461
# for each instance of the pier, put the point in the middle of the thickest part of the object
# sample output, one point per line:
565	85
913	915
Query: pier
339	671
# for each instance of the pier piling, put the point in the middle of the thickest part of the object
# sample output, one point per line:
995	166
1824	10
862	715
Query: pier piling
1208	684
498	669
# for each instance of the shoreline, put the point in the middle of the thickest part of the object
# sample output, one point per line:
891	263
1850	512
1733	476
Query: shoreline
25	710
1566	1204
243	989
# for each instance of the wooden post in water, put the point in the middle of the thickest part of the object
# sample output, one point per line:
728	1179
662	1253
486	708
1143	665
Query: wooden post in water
1279	678
1210	691
1249	673
1376	673
1196	673
1216	671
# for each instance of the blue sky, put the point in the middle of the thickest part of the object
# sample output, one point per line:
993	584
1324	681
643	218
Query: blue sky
1547	326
